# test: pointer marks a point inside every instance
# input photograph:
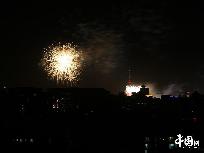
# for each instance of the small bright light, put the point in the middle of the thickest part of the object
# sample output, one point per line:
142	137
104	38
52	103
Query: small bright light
31	140
53	106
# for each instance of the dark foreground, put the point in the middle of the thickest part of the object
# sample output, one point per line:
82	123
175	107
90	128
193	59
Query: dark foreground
92	120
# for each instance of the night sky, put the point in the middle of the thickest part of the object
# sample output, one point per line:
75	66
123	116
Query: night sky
161	42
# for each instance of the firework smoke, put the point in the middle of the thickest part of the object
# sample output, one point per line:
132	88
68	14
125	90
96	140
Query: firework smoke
103	47
170	89
173	89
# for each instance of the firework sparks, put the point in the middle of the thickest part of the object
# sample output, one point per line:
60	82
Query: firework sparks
131	88
62	62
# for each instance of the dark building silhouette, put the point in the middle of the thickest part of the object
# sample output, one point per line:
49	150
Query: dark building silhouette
144	90
93	120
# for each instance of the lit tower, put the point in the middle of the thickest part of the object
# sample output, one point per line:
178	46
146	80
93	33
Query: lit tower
130	87
129	81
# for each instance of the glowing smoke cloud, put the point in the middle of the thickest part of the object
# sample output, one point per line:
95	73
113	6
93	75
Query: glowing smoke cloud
104	53
173	89
62	62
131	88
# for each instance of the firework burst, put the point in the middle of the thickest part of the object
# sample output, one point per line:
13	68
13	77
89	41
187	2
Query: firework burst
132	88
62	62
